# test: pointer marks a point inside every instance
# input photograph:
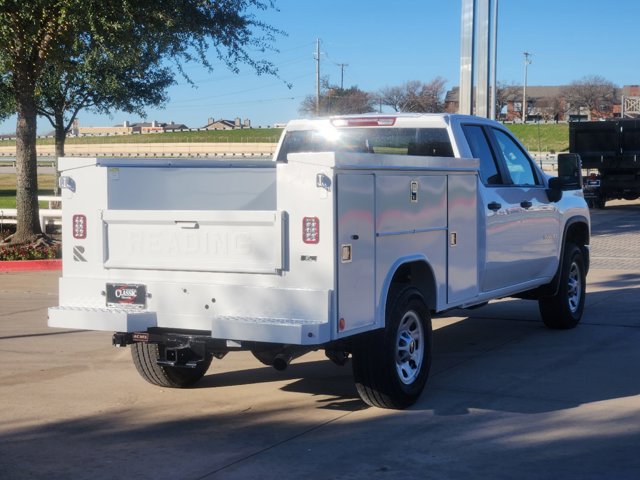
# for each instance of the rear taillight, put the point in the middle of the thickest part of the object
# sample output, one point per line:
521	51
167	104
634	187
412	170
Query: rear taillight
79	226
310	230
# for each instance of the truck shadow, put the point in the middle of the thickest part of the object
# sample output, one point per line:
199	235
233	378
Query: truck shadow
317	378
490	374
499	357
490	361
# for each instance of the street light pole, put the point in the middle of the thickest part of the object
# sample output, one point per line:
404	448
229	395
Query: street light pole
527	62
494	61
317	77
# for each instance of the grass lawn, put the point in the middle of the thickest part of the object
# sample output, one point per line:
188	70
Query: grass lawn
257	135
8	189
542	137
536	137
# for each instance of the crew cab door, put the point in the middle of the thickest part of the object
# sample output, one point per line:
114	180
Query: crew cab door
522	227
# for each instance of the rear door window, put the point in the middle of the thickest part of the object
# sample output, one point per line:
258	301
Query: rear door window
479	145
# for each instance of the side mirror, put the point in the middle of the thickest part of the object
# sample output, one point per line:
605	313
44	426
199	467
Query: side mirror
554	192
570	171
569	176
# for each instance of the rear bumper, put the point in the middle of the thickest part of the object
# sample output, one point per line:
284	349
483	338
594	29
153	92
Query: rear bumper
229	312
289	331
105	319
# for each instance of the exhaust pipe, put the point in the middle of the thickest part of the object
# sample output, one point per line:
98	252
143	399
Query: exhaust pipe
282	360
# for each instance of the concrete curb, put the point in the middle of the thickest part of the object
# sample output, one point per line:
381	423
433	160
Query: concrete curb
30	265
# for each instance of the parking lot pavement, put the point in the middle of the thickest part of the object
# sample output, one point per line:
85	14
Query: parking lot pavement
507	398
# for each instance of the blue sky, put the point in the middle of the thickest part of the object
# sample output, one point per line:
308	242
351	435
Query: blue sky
387	43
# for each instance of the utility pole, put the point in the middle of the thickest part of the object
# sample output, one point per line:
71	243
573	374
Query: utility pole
317	77
527	62
342	65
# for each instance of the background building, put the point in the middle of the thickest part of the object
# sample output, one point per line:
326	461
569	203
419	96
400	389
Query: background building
554	103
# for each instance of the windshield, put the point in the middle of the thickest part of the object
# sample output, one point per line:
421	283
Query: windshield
432	142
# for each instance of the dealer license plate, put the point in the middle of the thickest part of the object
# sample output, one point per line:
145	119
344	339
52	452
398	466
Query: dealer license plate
126	295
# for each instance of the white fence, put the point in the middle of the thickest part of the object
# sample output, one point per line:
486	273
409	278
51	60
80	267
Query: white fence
51	216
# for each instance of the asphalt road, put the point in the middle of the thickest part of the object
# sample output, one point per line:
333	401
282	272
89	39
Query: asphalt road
507	398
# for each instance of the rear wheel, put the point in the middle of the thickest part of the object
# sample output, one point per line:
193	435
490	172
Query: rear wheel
145	357
564	309
391	366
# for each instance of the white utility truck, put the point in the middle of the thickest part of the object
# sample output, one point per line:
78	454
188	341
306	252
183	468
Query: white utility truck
348	240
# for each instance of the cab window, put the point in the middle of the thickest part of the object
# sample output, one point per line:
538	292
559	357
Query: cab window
517	162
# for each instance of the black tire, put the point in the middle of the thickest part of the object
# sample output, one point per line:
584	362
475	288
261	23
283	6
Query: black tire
145	356
564	309
391	365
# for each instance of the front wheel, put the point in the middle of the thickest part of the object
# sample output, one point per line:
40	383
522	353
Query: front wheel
564	309
391	366
145	357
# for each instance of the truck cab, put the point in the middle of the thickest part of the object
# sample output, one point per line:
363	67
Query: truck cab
520	222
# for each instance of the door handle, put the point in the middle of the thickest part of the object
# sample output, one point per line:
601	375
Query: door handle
526	204
495	206
186	224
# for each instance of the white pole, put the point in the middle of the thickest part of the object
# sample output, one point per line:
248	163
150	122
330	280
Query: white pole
494	60
527	62
318	77
465	100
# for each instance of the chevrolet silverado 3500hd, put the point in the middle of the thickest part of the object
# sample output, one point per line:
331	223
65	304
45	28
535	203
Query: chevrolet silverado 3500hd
348	240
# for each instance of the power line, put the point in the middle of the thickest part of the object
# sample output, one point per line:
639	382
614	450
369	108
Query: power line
200	99
242	102
212	78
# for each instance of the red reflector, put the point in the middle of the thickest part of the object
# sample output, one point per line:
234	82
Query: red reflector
310	230
79	226
364	122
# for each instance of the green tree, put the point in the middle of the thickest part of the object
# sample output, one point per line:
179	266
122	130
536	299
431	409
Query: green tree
415	96
49	45
7	105
339	101
101	81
